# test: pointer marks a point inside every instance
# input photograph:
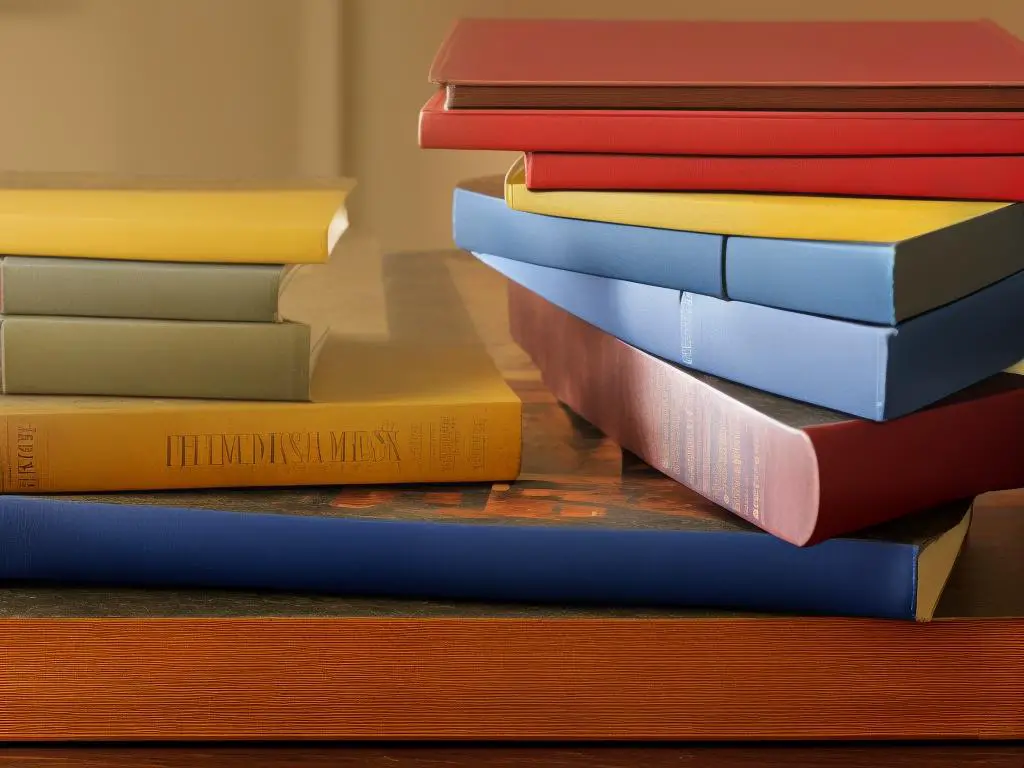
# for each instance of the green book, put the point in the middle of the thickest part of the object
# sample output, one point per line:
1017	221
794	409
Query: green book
40	285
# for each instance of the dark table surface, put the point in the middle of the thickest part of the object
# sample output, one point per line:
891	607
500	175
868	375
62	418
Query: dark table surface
549	756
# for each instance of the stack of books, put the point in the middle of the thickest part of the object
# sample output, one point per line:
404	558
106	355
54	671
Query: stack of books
168	333
782	270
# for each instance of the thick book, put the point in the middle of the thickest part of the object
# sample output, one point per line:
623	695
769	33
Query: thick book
511	63
795	217
606	530
881	283
166	219
802	473
94	663
718	132
875	372
120	357
153	290
967	177
403	391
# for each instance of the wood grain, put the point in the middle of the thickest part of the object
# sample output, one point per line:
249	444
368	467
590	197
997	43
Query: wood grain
444	756
520	679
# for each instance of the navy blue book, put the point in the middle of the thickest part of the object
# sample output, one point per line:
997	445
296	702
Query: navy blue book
587	524
875	372
880	283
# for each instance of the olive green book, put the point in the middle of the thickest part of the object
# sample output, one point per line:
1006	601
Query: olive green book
62	286
155	358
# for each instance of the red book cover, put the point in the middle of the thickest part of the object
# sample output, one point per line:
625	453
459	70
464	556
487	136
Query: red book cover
977	177
496	62
802	473
716	132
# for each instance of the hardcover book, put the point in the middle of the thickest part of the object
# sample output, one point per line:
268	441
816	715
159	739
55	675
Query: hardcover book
103	356
587	526
875	372
720	132
166	219
967	177
673	64
153	290
802	473
880	283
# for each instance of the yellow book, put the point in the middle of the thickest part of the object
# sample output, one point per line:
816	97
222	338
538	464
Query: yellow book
154	219
849	219
404	392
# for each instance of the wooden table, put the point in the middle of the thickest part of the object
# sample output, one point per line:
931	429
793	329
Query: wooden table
631	756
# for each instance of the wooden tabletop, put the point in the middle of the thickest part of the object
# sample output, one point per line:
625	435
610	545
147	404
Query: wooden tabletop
624	756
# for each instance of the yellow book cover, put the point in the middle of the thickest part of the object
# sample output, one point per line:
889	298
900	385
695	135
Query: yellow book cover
837	219
405	391
184	220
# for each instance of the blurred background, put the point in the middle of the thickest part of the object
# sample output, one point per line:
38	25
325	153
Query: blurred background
285	87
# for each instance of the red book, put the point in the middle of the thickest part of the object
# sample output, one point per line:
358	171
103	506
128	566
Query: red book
675	64
968	177
802	473
710	132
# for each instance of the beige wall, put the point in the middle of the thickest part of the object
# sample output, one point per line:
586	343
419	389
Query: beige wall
206	87
263	87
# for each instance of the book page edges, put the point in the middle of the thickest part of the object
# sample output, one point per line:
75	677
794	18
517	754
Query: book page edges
935	563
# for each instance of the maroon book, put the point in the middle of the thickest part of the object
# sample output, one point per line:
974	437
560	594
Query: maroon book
675	64
802	473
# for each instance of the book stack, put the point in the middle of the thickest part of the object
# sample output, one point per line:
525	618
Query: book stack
155	289
782	270
146	343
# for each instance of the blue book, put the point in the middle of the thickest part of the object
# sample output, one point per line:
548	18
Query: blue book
598	528
880	283
687	261
875	372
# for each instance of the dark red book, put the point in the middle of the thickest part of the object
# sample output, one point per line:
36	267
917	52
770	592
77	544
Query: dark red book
717	132
675	64
974	177
802	473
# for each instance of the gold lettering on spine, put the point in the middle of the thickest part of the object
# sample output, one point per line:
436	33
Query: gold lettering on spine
357	446
26	467
755	511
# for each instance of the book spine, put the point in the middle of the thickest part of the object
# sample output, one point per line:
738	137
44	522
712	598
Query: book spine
240	226
731	454
82	542
155	358
684	260
979	177
830	363
697	132
852	281
159	446
137	289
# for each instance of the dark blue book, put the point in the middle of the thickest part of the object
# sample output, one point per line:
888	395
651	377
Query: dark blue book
875	372
880	283
585	525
